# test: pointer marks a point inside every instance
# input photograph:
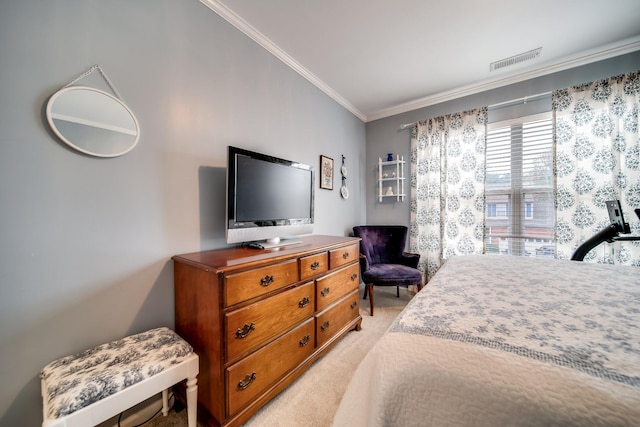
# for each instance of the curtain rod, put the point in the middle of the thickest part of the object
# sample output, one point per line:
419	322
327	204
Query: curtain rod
524	100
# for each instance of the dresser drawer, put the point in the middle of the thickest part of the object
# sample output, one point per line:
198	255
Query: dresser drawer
313	265
345	255
329	322
335	285
240	287
252	375
250	326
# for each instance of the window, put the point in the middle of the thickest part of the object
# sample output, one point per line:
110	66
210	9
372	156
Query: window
497	210
520	215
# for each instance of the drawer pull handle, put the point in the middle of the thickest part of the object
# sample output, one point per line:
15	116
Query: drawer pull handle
354	276
245	331
305	340
315	266
248	379
353	305
325	326
325	292
304	302
266	280
345	255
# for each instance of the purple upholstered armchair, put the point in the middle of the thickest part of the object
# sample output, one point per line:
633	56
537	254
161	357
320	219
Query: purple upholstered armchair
383	261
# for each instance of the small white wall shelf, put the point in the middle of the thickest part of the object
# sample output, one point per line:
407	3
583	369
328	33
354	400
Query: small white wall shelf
391	179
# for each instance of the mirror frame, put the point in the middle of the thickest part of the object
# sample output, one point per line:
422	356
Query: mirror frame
51	115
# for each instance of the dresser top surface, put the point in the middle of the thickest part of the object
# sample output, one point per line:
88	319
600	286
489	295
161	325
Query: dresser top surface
235	256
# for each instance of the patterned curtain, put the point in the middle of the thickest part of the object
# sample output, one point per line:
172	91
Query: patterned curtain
447	187
597	159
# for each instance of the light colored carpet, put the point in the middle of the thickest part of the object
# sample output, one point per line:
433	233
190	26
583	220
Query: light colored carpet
311	401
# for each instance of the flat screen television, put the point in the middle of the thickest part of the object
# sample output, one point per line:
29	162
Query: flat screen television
269	200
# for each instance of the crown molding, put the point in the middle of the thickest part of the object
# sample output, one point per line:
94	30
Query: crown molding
587	57
242	25
584	58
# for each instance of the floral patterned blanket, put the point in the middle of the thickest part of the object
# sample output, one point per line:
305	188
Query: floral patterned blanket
495	340
76	381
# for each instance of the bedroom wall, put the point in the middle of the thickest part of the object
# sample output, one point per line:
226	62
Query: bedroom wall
384	135
86	242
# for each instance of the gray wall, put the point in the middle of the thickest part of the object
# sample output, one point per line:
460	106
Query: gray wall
384	135
86	242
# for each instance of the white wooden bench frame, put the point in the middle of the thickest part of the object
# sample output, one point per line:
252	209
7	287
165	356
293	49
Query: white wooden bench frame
112	405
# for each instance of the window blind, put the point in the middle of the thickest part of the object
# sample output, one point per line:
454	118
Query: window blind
520	214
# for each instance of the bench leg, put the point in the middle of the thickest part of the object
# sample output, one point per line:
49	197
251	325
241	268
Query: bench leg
165	402
192	402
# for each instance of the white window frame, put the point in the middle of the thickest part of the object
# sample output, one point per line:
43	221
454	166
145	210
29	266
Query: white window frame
515	195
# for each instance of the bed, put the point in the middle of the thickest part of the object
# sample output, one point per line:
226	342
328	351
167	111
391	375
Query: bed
507	341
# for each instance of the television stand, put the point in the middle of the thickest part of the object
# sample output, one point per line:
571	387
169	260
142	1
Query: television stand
277	242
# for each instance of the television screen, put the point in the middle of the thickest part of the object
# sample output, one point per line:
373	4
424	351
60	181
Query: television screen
268	191
267	197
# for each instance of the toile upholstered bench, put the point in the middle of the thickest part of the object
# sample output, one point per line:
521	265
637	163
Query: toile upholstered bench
90	387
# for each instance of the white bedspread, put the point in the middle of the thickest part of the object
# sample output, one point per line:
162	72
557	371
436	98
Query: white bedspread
507	341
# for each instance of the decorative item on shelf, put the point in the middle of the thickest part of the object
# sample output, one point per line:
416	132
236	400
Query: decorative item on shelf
92	121
326	172
390	157
389	191
344	191
385	175
393	174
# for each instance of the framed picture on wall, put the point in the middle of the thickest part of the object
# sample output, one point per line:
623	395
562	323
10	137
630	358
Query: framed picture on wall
326	172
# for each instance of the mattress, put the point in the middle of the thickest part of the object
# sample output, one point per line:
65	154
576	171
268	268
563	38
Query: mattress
507	341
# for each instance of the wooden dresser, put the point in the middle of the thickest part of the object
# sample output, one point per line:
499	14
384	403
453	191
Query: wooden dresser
259	318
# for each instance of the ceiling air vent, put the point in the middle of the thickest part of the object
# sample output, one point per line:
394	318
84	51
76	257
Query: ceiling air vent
516	59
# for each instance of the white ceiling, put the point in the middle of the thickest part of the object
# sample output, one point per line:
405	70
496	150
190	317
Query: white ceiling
381	57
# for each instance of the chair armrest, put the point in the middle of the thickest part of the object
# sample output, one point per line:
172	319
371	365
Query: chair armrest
364	263
410	259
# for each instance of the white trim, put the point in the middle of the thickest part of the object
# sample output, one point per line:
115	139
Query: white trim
609	51
605	52
242	25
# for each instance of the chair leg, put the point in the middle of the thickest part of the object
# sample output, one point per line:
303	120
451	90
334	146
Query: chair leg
366	291
398	291
370	288
419	287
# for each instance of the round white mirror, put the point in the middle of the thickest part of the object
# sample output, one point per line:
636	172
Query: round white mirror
92	121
